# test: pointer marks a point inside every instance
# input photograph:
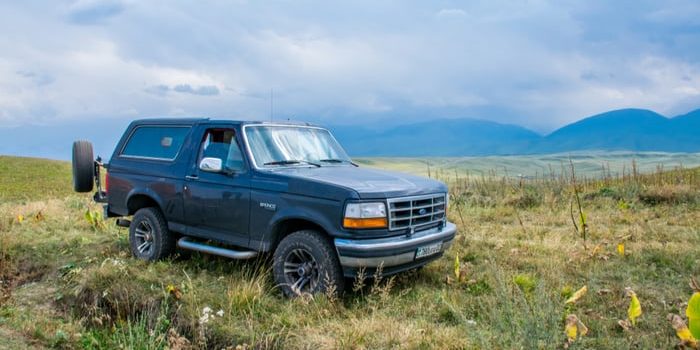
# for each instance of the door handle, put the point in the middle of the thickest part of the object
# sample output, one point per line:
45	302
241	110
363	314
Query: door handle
191	177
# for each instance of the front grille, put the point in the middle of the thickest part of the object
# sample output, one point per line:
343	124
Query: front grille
419	212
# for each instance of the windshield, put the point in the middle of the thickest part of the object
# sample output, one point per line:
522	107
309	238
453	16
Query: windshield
274	146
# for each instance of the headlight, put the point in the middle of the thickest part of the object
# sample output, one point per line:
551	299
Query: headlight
365	215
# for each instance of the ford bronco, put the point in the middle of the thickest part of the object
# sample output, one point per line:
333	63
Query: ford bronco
239	188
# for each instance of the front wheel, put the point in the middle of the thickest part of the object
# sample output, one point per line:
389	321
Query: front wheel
305	262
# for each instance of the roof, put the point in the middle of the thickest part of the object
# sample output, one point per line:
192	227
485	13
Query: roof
175	120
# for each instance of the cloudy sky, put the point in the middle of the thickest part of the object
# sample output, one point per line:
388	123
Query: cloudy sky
537	63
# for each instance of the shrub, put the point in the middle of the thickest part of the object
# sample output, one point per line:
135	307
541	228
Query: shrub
669	194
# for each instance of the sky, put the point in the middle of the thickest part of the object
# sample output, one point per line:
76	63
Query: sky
539	64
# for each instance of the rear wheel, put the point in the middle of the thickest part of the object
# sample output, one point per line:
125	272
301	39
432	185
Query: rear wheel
83	166
149	237
305	262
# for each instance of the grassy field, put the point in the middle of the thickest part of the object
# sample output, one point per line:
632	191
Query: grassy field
26	179
67	282
588	164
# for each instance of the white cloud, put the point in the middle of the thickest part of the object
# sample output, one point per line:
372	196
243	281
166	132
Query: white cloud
539	63
447	13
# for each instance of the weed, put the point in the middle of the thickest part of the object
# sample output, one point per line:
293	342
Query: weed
526	283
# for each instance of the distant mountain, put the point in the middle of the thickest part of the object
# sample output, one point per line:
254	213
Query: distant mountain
624	129
619	130
446	137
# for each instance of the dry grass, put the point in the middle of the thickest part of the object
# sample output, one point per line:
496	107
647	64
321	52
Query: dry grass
69	285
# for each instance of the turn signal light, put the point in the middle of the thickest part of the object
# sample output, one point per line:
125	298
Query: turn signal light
364	222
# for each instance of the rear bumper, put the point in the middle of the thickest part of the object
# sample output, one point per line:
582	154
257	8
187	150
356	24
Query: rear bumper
394	254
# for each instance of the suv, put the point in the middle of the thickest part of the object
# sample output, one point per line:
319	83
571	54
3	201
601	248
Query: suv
241	188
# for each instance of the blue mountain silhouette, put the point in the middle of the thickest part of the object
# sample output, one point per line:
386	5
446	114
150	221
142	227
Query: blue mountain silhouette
624	129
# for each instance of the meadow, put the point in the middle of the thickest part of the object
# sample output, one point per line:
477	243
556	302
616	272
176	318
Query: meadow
524	247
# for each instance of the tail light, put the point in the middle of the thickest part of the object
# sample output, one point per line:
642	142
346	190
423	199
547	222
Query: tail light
106	182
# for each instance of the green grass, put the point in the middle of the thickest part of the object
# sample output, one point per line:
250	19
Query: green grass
67	284
27	179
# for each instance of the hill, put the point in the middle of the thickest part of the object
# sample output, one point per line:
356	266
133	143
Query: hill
633	130
620	130
446	137
626	129
33	178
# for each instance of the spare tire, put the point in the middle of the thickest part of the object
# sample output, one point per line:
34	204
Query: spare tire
83	166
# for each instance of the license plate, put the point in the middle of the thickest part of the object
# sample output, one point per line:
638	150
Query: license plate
428	250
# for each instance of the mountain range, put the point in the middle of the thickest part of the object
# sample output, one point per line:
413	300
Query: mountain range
618	130
624	129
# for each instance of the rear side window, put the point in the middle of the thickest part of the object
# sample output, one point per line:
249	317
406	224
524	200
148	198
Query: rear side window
160	142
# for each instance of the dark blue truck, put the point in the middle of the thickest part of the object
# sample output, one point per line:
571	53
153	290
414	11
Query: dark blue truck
240	188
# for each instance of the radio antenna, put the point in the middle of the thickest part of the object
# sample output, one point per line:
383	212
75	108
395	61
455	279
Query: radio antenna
272	99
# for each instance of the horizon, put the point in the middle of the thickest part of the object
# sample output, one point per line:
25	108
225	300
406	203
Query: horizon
457	137
539	65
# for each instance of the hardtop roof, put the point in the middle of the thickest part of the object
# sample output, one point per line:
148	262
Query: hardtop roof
193	121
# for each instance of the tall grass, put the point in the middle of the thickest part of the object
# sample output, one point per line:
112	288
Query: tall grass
72	284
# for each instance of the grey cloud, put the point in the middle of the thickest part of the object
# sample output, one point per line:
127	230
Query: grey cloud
160	90
94	11
163	90
40	79
207	90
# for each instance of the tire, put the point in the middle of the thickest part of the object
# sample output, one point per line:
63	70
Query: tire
83	166
149	237
312	265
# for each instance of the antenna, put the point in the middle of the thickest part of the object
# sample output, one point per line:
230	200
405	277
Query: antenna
272	99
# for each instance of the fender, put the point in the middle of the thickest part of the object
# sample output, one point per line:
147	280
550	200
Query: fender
292	213
148	192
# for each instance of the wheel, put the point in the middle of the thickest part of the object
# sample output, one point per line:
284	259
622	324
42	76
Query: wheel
83	166
149	237
305	262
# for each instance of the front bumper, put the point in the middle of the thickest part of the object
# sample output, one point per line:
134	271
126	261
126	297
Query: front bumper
394	254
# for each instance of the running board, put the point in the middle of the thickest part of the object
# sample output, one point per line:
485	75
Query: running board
186	243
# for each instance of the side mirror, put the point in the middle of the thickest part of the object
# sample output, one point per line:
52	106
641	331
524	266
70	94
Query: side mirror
212	165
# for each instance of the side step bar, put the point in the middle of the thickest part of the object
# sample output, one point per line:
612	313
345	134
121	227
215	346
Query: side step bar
186	243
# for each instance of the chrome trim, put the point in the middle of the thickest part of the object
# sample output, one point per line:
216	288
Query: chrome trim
411	217
148	158
250	153
397	242
388	260
186	243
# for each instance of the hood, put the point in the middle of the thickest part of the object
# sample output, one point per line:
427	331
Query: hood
367	182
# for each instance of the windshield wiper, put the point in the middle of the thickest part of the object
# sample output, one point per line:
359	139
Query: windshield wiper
335	160
292	161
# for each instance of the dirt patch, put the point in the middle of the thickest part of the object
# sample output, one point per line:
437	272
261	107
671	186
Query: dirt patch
14	274
14	340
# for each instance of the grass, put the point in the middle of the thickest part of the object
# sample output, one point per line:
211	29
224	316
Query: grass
27	179
588	164
69	284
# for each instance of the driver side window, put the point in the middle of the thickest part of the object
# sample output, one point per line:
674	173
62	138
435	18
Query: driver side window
221	144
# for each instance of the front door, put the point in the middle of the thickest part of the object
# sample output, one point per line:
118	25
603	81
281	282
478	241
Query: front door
217	204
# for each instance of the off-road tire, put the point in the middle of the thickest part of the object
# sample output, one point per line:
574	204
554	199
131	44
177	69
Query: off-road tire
83	166
317	246
162	241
